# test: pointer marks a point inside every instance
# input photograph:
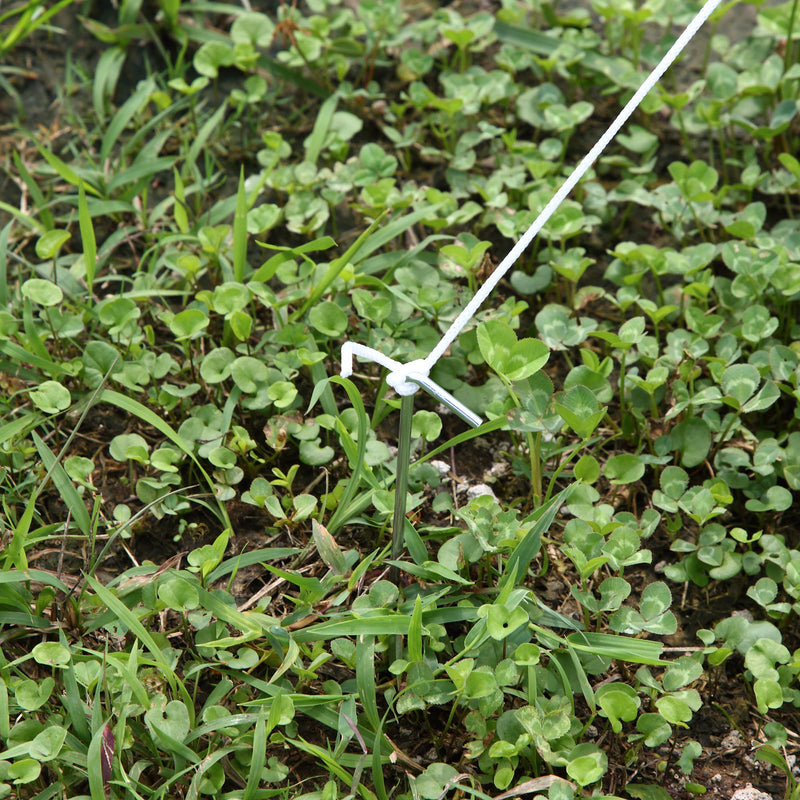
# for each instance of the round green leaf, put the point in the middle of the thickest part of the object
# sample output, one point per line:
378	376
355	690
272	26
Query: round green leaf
129	446
692	438
51	654
655	728
427	425
282	393
211	56
328	319
216	365
624	468
311	453
229	297
47	744
587	764
248	373
527	357
579	408
501	623
673	710
50	397
50	243
253	27
681	673
173	720
178	594
31	695
24	771
79	469
304	505
495	340
674	481
587	469
43	292
656	599
619	702
188	324
768	694
222	457
479	684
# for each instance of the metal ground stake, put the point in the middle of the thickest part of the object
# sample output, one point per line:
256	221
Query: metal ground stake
401	478
400	493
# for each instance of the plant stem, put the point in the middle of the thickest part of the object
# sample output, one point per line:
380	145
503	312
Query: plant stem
788	56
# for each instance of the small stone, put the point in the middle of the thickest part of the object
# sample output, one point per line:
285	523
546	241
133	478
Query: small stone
480	489
498	469
749	792
442	467
732	741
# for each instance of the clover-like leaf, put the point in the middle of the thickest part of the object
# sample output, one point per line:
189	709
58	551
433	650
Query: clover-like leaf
578	407
178	593
740	381
51	242
211	56
654	728
432	782
681	673
47	744
504	353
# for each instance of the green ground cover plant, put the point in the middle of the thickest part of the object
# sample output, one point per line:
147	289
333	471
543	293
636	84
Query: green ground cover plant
205	588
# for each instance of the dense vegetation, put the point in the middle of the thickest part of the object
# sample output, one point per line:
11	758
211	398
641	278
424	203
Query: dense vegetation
198	594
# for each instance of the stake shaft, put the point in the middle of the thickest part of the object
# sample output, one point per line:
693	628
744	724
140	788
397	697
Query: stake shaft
401	477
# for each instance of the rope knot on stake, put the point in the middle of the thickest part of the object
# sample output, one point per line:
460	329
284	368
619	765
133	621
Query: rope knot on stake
401	378
405	379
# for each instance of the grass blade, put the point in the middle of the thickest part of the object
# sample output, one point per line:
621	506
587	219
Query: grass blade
88	240
388	625
179	209
258	758
365	679
203	135
240	231
36	193
65	486
316	139
340	515
415	632
124	115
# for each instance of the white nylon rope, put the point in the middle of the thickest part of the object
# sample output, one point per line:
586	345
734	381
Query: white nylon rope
405	379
